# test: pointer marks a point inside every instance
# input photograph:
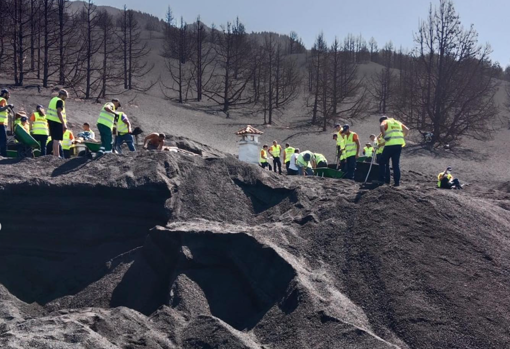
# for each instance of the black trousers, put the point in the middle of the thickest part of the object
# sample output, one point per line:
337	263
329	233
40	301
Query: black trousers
42	139
277	162
390	152
266	164
322	164
350	167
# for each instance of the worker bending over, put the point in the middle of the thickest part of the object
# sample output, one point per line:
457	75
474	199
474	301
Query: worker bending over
276	151
303	163
319	161
105	122
287	155
445	180
352	148
154	141
394	133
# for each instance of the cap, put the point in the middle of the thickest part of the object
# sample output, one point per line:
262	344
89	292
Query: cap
448	169
337	125
24	118
306	157
116	100
39	106
345	128
63	93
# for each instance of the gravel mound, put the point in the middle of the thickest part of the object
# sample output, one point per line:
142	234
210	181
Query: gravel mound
198	250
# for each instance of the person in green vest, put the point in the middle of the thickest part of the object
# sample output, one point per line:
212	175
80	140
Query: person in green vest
57	120
264	156
276	150
368	151
40	130
352	148
303	163
287	154
105	122
340	147
67	143
124	134
4	120
394	133
319	161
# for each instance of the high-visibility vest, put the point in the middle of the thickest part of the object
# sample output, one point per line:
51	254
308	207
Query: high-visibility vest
394	134
320	158
276	151
288	153
300	161
439	177
351	148
4	114
67	142
122	127
51	113
106	118
380	144
263	156
40	125
369	151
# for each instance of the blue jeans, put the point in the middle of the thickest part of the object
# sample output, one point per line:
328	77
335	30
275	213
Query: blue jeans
120	139
307	170
350	167
390	152
3	141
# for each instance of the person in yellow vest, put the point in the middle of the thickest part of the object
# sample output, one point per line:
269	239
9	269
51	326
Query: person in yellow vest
287	155
264	157
4	120
40	130
105	122
340	147
352	148
445	180
380	148
57	120
319	160
67	143
394	133
303	163
368	151
276	152
124	134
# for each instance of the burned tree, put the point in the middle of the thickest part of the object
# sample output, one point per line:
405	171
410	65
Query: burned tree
382	84
229	81
450	87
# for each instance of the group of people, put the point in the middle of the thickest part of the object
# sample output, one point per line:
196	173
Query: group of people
50	128
381	149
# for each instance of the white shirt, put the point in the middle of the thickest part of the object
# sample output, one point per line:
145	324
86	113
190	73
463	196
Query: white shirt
292	165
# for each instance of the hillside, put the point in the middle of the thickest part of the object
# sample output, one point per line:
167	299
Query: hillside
179	251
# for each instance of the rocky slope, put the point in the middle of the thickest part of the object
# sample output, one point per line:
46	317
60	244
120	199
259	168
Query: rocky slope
174	250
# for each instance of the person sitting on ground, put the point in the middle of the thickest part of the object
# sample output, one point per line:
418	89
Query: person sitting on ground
87	134
154	141
319	161
303	163
263	157
445	180
293	169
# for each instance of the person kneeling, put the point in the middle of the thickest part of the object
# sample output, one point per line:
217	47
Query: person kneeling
445	180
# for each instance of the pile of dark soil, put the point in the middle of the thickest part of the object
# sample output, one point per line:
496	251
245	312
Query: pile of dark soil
172	250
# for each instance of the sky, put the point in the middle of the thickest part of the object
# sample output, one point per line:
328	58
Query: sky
385	20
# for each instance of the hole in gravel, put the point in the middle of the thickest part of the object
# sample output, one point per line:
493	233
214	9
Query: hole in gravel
263	197
57	240
240	278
